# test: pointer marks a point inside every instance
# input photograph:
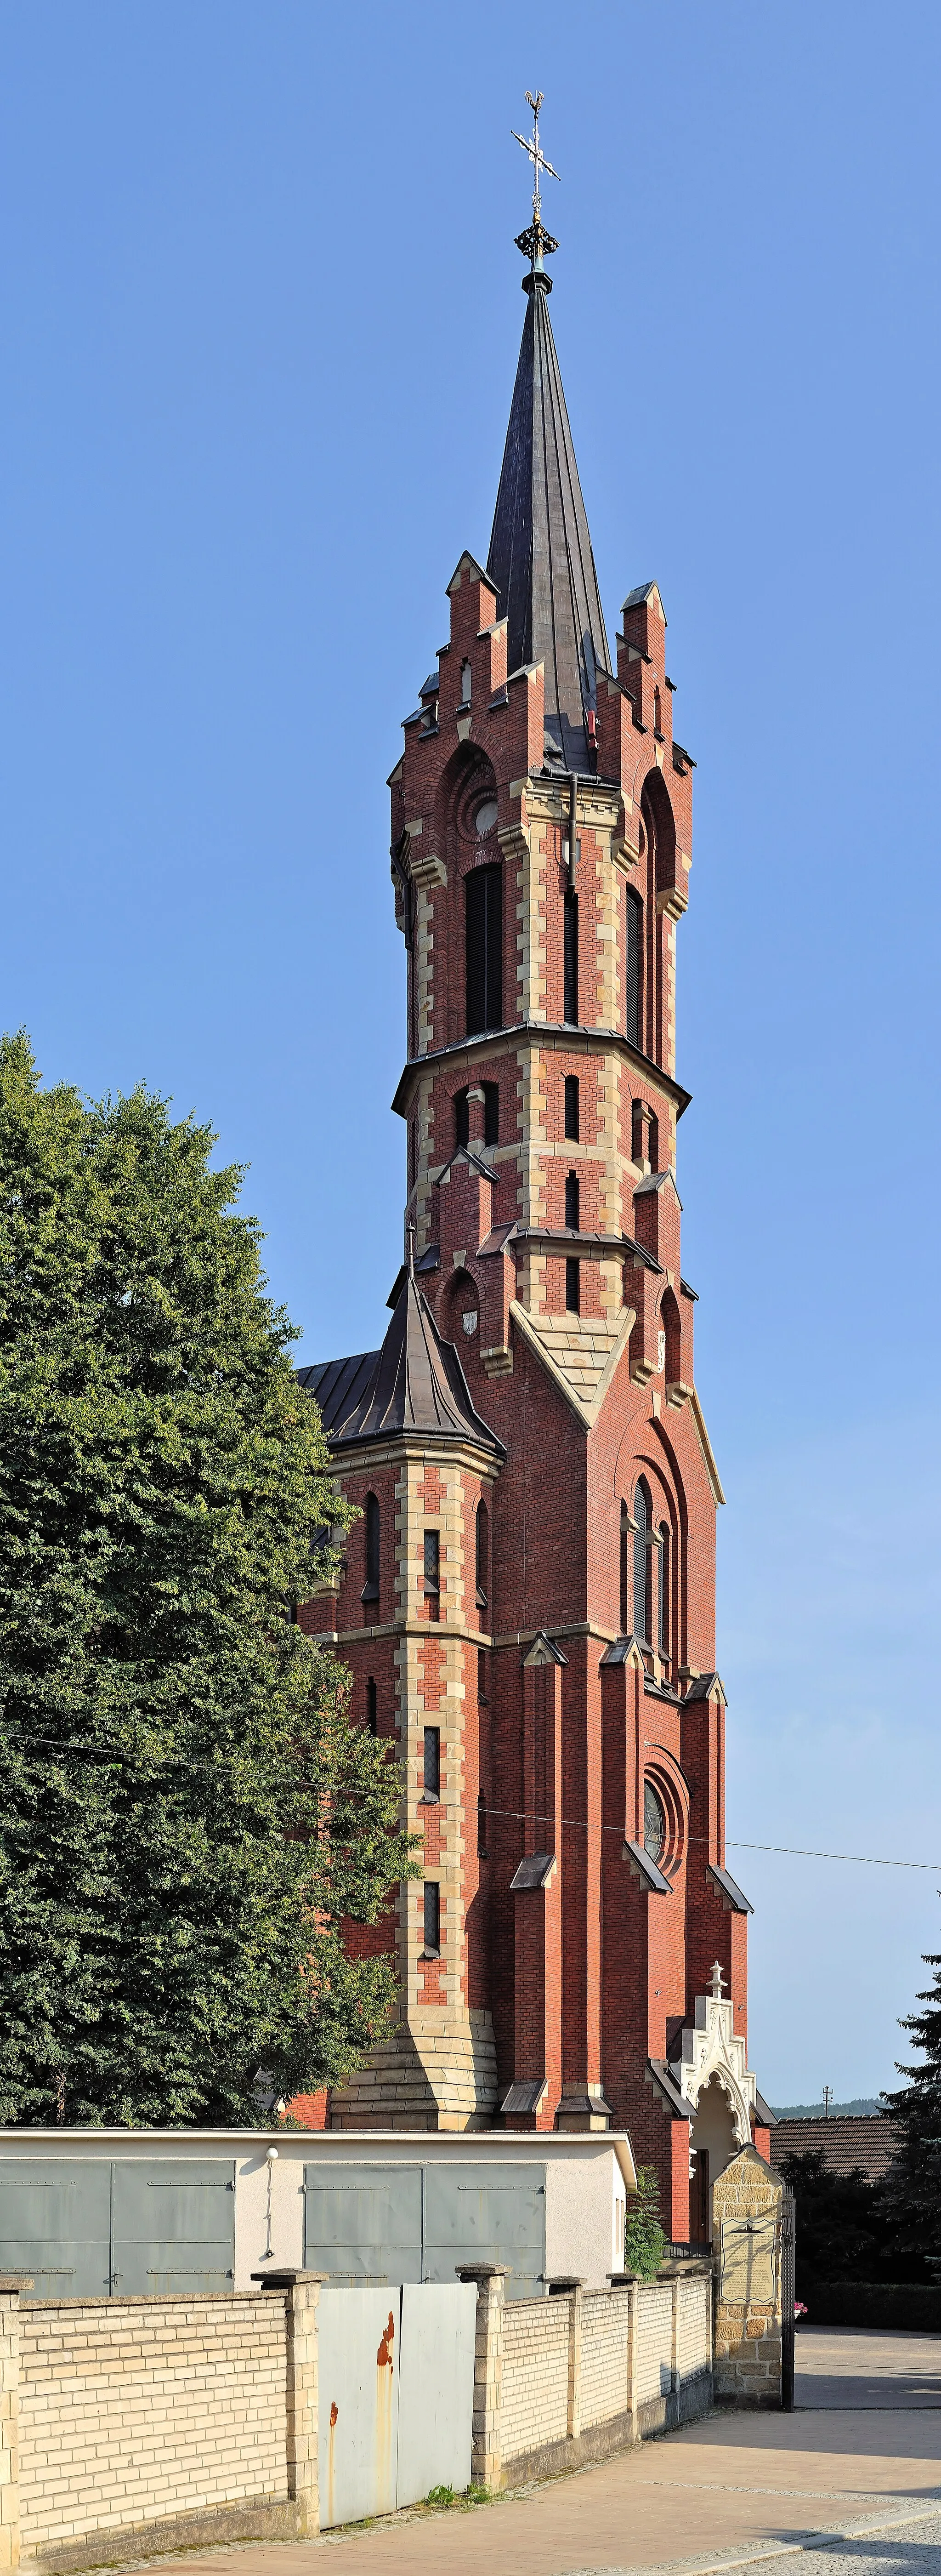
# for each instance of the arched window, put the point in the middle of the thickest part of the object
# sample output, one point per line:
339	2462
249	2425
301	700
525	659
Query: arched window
571	1106
482	1554
643	1517
632	957
461	1118
372	1717
370	1591
655	1823
465	684
672	1334
625	1570
571	1201
657	711
663	1610
570	978
484	948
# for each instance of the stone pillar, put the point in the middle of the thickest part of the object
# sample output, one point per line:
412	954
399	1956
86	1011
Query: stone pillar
626	2282
302	2298
746	2232
10	2420
487	2448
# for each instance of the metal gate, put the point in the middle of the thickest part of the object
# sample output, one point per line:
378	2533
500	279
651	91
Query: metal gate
788	2256
396	2395
97	2227
394	2223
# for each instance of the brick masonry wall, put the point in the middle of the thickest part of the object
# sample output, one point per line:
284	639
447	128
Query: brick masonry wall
604	2357
535	2375
133	2411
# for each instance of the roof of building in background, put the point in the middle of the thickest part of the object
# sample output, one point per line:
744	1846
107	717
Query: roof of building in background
844	2143
540	561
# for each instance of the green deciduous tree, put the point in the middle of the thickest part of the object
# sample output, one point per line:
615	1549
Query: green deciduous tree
186	1812
644	2238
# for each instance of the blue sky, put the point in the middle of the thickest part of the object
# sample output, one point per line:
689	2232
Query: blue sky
260	317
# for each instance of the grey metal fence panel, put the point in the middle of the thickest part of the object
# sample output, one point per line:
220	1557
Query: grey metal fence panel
172	2225
486	2213
436	2388
358	2394
363	2222
55	2224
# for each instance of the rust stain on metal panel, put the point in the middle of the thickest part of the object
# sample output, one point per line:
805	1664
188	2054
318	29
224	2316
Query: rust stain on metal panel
334	2412
384	2369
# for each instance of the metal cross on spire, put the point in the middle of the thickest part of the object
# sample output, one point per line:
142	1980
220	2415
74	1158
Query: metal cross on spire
535	240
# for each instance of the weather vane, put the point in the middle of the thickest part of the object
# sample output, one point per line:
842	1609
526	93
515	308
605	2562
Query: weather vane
535	240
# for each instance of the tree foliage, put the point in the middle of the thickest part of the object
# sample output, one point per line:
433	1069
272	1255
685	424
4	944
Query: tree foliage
917	2108
644	2237
186	1812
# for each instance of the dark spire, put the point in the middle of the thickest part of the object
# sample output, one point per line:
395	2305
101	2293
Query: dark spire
540	560
414	1383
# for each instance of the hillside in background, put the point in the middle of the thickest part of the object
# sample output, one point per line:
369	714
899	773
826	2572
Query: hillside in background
816	2110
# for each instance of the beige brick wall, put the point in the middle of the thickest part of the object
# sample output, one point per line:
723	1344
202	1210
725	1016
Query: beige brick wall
654	2342
605	2331
136	2410
535	2374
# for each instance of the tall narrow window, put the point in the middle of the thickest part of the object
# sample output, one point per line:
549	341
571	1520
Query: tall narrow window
571	1201
466	684
571	1106
663	1624
482	1551
482	1691
433	1572
372	1717
570	1004
573	1299
432	1918
642	1535
431	1770
626	1570
653	1143
491	1113
637	1131
657	712
370	1591
481	1827
632	920
461	1118
484	924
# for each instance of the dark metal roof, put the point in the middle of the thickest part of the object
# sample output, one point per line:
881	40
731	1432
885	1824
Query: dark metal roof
540	561
729	1889
414	1383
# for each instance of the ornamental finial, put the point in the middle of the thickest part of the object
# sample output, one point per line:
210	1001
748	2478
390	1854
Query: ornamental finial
535	241
718	1981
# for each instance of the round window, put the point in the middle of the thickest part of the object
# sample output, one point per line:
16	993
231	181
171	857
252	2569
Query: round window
485	817
655	1823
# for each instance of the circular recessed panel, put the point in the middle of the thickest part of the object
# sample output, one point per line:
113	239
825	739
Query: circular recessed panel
655	1823
485	817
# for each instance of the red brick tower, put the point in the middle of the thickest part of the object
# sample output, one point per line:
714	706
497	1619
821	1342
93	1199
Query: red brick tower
528	1598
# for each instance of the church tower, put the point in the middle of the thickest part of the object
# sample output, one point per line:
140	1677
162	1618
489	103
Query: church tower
527	1600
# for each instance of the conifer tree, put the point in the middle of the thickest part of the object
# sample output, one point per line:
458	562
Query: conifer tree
916	2172
186	1811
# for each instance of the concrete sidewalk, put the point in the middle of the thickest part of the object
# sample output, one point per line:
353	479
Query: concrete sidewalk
729	2489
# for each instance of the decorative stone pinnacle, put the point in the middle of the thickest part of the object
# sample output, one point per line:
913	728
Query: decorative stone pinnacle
718	1981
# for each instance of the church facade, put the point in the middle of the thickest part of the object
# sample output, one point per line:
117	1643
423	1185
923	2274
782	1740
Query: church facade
527	1598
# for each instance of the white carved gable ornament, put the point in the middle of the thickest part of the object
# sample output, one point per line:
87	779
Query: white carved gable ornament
713	2049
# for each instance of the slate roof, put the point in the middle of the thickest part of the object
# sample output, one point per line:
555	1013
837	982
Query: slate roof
414	1383
540	561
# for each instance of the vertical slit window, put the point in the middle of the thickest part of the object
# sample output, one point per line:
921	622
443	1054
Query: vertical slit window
432	1917
482	1552
632	968
461	1118
664	1605
570	1003
370	1590
571	1201
484	948
625	1570
571	1106
491	1113
433	1572
642	1533
431	1773
372	1717
481	1827
482	1693
573	1298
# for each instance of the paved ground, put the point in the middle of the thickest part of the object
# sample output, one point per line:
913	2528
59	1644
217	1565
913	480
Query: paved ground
860	2459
